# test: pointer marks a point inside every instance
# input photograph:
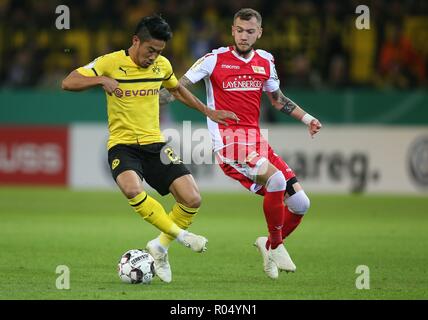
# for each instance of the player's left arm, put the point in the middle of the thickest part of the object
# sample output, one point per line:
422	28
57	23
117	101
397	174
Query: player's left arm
185	96
289	107
166	97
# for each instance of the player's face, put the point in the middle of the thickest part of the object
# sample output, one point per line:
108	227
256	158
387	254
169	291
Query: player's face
148	51
245	34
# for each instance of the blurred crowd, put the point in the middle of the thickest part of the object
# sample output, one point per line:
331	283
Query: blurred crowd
315	43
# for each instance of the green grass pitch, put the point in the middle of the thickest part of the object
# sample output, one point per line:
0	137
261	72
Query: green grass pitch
41	228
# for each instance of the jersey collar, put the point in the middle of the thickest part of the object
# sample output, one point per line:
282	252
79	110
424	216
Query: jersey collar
129	57
241	58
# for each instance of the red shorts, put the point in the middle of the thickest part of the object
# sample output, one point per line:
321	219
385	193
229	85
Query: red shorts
241	162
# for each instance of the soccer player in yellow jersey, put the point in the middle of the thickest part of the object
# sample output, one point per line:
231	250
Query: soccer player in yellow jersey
136	148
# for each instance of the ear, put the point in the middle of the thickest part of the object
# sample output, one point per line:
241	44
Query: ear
135	40
233	31
260	33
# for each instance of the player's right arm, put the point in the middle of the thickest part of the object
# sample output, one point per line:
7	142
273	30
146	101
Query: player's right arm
78	82
92	75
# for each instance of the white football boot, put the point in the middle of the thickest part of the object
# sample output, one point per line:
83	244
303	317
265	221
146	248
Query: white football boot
269	266
193	241
162	267
281	258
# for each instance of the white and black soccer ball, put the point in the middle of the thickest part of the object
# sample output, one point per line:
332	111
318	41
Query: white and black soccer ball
136	266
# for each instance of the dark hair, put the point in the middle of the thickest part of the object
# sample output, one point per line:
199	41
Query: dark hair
153	27
246	14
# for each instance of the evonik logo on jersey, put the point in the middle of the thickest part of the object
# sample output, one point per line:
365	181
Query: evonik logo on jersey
135	93
242	83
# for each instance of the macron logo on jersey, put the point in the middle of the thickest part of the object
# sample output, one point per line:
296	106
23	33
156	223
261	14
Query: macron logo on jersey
242	83
229	66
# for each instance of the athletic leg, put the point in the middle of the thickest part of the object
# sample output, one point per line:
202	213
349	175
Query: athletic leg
188	201
297	202
147	207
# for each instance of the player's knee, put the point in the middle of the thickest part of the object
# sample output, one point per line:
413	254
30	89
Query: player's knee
193	200
276	182
131	190
299	203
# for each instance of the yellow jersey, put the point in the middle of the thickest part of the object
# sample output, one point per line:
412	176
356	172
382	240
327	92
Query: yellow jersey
133	108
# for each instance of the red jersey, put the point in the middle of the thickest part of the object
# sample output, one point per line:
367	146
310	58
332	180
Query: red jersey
235	84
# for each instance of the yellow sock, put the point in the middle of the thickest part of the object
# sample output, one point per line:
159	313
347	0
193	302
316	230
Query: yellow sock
153	212
182	216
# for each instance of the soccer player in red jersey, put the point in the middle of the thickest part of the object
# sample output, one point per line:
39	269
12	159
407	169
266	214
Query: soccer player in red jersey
235	78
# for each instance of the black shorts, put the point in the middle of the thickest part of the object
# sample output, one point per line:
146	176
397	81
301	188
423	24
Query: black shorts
156	163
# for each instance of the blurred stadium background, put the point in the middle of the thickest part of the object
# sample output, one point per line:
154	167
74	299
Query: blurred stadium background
367	87
373	82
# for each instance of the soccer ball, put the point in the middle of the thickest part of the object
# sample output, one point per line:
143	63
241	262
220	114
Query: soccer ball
136	266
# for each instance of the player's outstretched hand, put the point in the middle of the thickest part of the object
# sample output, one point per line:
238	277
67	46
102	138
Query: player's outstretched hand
314	127
220	116
109	84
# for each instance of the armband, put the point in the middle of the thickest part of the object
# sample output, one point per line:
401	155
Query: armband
307	119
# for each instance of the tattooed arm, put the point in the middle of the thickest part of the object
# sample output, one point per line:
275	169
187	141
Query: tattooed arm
166	97
288	106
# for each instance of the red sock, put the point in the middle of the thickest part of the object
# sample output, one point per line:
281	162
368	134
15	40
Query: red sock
273	207
291	221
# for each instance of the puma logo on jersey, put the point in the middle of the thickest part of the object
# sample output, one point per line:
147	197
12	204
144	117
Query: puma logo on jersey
121	69
258	69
